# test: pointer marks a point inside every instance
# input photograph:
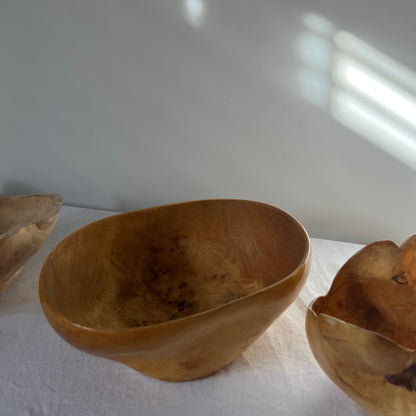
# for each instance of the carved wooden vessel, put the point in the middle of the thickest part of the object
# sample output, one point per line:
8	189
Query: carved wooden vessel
25	223
363	332
179	291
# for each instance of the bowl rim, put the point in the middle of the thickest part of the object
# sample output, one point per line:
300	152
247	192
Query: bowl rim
68	323
56	206
326	316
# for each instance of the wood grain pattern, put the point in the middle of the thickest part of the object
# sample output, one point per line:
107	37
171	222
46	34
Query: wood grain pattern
363	332
25	223
179	291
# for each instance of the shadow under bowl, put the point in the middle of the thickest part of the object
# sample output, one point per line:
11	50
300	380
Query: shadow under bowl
178	291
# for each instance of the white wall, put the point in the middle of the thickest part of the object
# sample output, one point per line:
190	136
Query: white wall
127	104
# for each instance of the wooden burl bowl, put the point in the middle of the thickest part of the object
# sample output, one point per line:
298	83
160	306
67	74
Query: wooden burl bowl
25	223
363	332
179	291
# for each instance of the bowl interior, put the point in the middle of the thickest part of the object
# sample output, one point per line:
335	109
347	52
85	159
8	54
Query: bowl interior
151	266
16	211
375	290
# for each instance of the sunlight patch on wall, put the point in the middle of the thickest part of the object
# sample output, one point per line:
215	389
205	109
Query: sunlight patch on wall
369	84
366	91
318	24
194	12
366	121
315	49
373	58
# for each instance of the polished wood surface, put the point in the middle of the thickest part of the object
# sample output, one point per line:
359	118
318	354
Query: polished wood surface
363	332
179	291
25	223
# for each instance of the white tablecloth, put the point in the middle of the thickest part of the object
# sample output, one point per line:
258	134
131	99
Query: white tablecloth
40	374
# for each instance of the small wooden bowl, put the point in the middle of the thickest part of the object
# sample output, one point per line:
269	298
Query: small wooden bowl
175	292
25	223
363	332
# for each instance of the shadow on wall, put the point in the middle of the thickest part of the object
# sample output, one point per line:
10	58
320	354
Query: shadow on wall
22	188
365	90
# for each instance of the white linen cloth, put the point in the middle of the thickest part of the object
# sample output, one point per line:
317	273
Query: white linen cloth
41	375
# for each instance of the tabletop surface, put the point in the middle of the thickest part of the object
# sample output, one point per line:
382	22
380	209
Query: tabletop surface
40	374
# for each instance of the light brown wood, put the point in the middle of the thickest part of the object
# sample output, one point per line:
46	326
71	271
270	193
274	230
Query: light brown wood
179	291
25	223
363	332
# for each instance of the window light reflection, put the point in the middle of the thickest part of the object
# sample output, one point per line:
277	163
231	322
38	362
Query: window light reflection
373	125
318	24
356	48
350	74
194	11
368	91
315	51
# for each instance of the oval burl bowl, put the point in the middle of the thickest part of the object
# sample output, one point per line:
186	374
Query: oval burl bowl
363	332
25	223
179	291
